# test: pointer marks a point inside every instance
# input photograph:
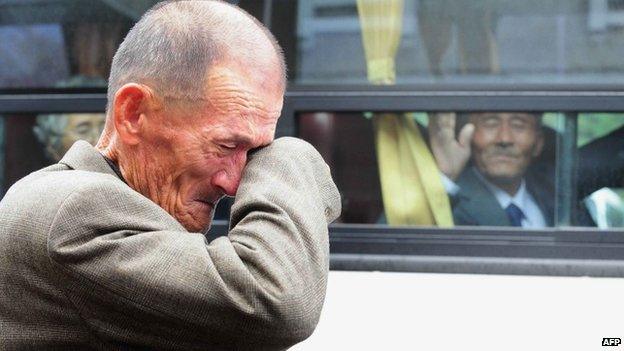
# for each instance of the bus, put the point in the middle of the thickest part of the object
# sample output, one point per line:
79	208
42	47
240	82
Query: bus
369	83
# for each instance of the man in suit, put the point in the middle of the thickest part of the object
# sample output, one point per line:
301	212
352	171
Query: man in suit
496	188
105	250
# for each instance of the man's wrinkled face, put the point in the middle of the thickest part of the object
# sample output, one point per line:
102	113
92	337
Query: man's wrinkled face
504	144
199	149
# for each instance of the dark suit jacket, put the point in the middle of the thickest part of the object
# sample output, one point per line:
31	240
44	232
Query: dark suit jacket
87	263
476	205
601	163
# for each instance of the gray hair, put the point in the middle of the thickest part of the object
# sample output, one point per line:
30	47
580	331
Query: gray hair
50	128
175	43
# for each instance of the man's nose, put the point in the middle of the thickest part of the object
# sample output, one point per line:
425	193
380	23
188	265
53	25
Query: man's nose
228	179
504	135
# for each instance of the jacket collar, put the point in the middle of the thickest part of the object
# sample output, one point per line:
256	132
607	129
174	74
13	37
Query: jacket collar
84	157
479	202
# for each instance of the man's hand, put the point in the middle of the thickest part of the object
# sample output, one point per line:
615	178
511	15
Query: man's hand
451	154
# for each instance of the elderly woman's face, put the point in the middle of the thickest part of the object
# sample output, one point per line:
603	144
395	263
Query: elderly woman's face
75	126
81	126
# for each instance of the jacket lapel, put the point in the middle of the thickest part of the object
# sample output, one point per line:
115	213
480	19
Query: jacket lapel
478	202
544	197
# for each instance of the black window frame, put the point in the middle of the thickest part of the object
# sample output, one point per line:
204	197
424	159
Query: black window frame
565	251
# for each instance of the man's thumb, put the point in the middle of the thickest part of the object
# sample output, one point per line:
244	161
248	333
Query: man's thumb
465	135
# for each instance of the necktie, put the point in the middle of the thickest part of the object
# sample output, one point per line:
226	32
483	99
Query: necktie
515	215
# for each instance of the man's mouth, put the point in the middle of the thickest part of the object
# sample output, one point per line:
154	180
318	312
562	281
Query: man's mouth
504	156
209	200
209	203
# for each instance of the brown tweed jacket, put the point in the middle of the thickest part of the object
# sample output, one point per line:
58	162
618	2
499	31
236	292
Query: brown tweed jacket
88	263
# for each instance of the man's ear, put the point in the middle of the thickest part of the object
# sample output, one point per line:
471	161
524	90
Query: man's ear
539	144
132	103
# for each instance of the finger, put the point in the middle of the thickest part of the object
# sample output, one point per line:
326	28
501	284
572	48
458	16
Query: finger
433	122
465	135
442	121
447	120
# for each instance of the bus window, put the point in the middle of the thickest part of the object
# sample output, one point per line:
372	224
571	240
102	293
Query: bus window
509	168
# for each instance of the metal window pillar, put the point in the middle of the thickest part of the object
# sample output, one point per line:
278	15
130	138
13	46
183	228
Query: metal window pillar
267	12
566	171
2	185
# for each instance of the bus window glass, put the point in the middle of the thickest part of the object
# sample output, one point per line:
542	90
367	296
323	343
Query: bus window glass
48	43
443	42
601	169
473	168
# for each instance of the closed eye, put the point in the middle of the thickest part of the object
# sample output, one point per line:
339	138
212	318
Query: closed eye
228	146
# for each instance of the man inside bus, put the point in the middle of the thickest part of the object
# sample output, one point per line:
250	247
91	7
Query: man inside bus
486	168
105	249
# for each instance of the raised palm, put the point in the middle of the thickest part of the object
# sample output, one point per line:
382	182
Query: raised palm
451	153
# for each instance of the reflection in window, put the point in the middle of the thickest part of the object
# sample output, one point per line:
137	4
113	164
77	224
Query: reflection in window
494	168
32	55
454	41
45	42
346	142
32	142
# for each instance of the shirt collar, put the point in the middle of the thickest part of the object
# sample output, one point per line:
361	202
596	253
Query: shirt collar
84	157
114	167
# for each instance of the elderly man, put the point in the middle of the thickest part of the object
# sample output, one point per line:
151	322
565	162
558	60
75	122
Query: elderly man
105	250
497	189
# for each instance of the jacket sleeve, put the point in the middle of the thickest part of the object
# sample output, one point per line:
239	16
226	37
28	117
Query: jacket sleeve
137	279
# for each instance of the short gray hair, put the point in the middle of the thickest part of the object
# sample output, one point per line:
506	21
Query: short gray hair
50	128
175	43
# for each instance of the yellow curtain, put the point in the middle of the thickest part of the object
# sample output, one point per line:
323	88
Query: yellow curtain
381	22
411	187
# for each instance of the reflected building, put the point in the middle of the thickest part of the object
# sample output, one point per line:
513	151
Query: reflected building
470	42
